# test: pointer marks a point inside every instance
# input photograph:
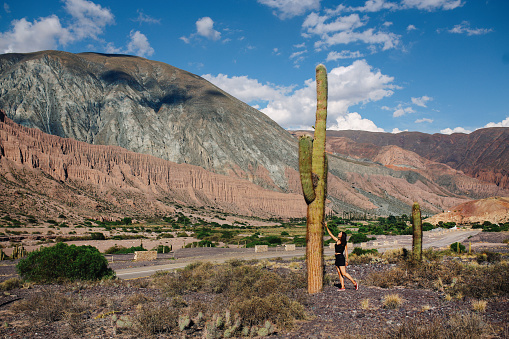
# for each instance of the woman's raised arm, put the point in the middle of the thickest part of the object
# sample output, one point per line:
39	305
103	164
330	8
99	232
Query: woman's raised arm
330	233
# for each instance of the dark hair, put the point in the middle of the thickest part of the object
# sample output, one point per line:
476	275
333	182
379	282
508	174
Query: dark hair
343	238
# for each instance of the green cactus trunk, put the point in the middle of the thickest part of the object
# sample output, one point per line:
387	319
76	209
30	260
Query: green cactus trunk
313	173
417	235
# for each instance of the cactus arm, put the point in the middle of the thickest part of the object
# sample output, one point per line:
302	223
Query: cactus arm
305	163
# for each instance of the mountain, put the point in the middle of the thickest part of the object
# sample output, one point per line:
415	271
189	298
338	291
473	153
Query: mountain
494	210
46	175
482	154
117	117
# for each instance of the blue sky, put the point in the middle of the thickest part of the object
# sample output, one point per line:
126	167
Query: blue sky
435	66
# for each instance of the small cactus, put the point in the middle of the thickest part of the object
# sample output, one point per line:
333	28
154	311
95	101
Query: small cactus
417	232
184	322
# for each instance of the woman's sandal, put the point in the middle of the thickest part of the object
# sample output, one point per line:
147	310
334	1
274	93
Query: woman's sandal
341	289
356	286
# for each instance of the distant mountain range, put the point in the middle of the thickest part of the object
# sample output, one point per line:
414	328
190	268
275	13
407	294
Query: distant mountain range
162	120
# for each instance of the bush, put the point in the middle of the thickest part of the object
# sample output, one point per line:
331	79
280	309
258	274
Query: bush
63	262
359	237
360	251
97	236
124	250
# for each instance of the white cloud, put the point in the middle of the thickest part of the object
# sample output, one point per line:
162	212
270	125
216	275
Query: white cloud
144	18
369	36
333	56
205	28
42	34
411	28
285	9
7	9
89	19
139	44
464	28
400	111
421	101
388	24
297	54
375	6
503	123
431	5
354	121
397	130
315	24
455	130
418	121
348	86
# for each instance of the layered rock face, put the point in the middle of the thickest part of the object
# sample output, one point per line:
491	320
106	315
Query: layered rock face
482	154
147	107
43	174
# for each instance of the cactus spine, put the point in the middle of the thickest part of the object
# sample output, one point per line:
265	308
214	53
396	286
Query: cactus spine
313	174
417	235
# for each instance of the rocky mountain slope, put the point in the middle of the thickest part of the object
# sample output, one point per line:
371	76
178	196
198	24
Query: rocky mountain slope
494	210
157	110
47	175
482	154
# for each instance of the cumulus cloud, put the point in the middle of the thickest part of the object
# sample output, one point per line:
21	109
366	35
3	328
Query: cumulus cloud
397	130
375	6
204	28
354	121
418	121
431	5
400	111
89	19
333	30
333	56
138	45
25	36
285	9
464	28
292	108
421	101
455	130
411	28
503	123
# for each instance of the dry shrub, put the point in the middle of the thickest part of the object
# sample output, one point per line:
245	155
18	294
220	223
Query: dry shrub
458	326
48	306
137	299
479	306
388	278
11	284
456	278
392	301
365	304
254	292
154	318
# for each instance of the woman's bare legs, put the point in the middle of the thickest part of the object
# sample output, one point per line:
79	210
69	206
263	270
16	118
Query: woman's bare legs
341	280
342	271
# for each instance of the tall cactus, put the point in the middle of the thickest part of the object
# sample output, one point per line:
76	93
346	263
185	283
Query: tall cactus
313	174
417	235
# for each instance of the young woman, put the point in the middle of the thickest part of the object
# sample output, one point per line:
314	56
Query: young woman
341	259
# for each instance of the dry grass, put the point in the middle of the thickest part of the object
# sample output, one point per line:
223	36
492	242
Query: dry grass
425	308
479	306
365	304
11	284
392	301
458	326
154	318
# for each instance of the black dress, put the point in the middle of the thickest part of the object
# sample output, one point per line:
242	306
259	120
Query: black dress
340	258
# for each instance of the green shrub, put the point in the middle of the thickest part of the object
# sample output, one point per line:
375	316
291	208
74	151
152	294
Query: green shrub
64	262
97	236
359	237
124	250
360	251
